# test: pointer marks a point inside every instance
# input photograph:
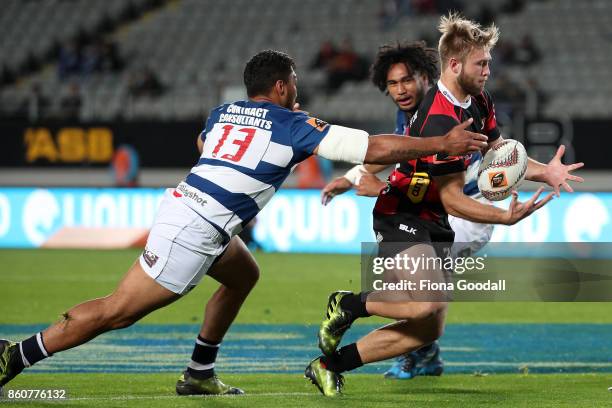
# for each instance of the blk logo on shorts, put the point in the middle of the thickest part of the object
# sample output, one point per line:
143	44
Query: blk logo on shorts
410	230
149	257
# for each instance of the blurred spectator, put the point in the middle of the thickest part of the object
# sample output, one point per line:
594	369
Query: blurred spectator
145	83
504	53
110	59
392	10
70	104
327	52
69	60
125	166
387	14
36	105
536	98
527	53
87	56
347	65
91	60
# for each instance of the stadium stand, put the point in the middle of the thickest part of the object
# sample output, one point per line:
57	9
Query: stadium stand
198	64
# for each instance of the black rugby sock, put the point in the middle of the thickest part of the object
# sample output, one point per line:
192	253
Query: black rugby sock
202	364
345	359
356	304
33	350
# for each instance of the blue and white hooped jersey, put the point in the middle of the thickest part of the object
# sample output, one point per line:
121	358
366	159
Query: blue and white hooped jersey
249	150
470	187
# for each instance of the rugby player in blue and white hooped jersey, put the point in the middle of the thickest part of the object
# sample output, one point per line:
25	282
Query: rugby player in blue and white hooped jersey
247	149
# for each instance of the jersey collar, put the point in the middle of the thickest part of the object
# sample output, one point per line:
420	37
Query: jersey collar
451	98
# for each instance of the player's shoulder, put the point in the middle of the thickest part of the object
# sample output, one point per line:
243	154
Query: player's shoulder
435	102
219	109
283	116
435	111
484	99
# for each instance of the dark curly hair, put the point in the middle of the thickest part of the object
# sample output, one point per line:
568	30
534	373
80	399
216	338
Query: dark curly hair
416	55
264	69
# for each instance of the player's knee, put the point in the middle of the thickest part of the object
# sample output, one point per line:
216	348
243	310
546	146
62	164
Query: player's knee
116	316
422	310
122	320
248	279
434	330
426	332
432	310
252	276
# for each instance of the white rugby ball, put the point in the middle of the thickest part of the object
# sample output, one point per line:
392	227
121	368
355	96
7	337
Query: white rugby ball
502	170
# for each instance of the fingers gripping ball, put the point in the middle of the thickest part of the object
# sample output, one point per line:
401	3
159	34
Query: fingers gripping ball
502	170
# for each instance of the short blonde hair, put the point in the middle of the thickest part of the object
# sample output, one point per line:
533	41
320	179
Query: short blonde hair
460	36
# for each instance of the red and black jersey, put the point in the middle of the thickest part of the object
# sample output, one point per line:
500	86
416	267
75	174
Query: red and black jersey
411	186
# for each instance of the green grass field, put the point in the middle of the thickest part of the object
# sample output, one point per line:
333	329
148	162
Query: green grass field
41	284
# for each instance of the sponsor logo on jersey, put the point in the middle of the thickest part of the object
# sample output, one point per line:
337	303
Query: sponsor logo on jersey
498	179
418	187
149	257
189	193
318	124
406	228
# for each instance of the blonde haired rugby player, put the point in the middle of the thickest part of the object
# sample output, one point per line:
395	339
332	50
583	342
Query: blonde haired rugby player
418	219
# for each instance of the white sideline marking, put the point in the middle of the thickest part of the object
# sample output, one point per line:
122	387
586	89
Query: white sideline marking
155	397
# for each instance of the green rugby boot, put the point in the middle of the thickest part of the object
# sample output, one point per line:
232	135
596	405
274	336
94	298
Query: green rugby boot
11	363
335	325
188	385
328	382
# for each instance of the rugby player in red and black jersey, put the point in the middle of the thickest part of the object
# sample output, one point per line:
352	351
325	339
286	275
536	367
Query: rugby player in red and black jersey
404	72
413	211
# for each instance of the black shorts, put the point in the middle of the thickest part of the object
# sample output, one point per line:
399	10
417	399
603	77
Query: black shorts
398	232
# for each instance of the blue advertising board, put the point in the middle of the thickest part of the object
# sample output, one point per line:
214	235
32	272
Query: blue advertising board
293	221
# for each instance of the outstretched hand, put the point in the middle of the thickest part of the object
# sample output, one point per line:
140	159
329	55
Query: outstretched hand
518	210
557	174
459	141
338	186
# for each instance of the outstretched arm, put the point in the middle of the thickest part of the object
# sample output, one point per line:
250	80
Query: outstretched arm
555	173
387	149
357	147
459	205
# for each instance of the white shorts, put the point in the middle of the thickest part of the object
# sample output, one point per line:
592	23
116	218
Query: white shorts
470	236
181	246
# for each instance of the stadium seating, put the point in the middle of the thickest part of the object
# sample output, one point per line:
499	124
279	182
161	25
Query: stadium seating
198	47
